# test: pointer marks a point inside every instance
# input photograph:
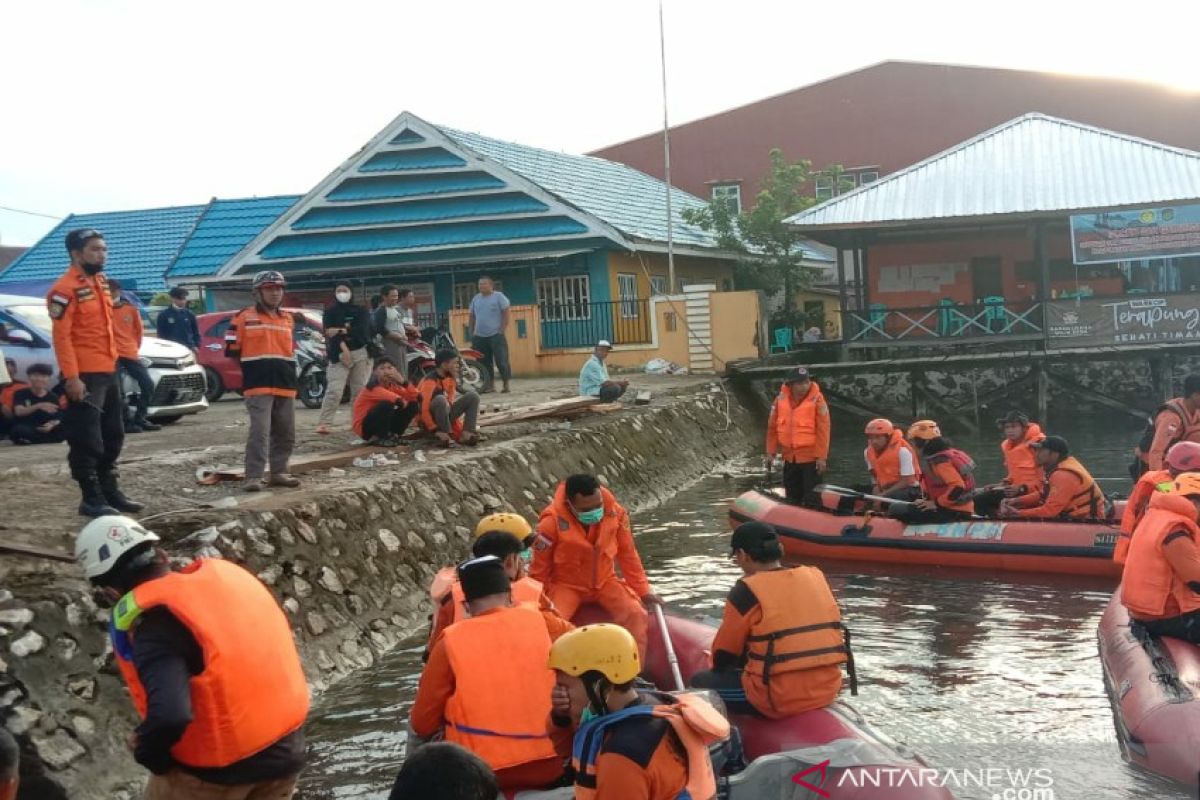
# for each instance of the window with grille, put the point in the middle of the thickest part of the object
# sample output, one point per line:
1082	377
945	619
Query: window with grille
564	298
869	176
627	293
658	285
730	195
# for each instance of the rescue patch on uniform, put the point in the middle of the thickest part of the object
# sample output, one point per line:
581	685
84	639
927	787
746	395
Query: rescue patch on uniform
56	309
542	543
84	293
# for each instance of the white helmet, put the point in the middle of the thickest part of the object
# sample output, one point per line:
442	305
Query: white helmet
105	539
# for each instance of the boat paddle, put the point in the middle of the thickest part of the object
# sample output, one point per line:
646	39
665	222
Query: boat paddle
672	659
825	489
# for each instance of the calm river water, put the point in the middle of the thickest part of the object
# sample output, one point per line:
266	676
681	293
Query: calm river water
971	669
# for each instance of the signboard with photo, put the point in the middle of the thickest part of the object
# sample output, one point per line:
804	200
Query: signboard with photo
1109	236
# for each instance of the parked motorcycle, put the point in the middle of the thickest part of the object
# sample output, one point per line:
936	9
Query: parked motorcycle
474	375
310	368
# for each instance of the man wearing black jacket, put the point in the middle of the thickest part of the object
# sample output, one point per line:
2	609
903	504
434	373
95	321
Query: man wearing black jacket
221	695
347	336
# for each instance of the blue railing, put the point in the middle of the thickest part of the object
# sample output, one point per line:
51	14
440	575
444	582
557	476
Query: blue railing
571	325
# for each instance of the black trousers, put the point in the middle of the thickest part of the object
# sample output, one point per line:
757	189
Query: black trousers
141	375
799	480
1184	626
611	392
22	433
494	350
94	427
388	419
911	515
727	683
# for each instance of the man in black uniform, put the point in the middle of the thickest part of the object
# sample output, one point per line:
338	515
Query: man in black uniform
178	323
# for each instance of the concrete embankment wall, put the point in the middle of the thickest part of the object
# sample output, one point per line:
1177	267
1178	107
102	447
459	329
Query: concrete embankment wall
350	565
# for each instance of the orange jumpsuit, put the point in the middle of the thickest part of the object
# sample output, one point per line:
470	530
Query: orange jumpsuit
81	307
1069	492
128	330
576	565
1158	480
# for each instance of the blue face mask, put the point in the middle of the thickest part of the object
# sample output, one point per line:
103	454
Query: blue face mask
590	517
526	556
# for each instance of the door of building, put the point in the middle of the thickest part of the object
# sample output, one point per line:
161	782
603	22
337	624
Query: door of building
987	280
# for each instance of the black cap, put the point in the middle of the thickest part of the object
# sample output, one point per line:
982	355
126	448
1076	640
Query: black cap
78	238
481	577
1055	444
753	538
1014	416
797	375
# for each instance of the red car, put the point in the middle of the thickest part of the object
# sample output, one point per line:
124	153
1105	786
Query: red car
222	373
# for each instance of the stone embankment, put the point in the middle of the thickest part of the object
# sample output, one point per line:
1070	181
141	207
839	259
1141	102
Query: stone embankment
349	562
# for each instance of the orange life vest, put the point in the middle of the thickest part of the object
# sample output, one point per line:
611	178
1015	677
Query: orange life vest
801	626
263	342
1020	460
935	487
1149	585
696	723
1088	502
885	466
430	387
1135	508
252	691
502	686
796	425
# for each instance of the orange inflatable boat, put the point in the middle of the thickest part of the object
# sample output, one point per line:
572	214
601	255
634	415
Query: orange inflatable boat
1076	548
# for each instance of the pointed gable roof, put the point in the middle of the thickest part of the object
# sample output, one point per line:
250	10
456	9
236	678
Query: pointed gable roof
418	193
1032	165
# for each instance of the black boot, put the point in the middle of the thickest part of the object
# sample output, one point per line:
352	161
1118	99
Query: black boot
93	503
115	497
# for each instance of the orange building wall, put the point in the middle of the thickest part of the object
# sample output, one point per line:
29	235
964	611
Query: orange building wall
736	321
687	270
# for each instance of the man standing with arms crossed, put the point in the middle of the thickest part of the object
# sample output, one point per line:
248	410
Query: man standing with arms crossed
260	338
489	321
80	307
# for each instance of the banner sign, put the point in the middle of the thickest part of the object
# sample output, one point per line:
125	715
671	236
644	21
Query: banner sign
1130	235
1124	321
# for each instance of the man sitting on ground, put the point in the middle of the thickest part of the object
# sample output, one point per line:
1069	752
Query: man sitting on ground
488	683
37	410
1068	492
12	386
780	648
450	417
387	405
594	380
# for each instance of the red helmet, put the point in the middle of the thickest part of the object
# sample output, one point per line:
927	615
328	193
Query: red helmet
880	427
1184	456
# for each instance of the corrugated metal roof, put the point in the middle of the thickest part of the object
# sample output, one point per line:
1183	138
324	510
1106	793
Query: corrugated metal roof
1029	165
630	201
141	244
224	229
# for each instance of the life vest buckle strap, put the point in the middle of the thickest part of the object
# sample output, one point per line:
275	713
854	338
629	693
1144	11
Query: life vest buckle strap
770	637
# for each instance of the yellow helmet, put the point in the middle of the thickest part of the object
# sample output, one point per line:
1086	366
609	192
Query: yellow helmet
515	524
1188	484
605	648
924	429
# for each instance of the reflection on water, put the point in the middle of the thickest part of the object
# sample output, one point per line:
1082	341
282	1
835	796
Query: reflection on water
973	670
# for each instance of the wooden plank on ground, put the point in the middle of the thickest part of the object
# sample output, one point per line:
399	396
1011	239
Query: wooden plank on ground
13	548
539	411
300	464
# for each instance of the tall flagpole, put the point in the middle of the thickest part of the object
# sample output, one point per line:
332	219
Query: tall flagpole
662	49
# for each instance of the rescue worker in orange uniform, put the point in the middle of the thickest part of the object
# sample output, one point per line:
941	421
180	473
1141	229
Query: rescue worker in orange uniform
1177	420
581	535
798	429
1068	492
387	404
261	339
1161	583
445	414
947	478
80	307
1023	473
1182	457
630	745
497	706
128	329
508	537
891	461
780	648
210	663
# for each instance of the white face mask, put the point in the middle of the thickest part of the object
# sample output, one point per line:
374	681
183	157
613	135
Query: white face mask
343	297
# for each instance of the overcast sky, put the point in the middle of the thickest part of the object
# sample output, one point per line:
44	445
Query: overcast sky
110	105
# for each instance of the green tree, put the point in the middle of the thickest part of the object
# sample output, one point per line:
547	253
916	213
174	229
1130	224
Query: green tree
769	251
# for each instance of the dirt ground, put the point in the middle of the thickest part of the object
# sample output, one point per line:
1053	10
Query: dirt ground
160	469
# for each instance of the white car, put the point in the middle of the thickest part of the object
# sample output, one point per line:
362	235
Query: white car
178	379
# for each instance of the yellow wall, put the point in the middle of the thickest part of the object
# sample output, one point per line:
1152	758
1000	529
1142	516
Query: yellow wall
687	270
832	306
736	318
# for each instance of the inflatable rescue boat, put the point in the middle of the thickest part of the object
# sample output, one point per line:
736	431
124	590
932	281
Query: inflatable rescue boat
1062	547
1154	686
829	752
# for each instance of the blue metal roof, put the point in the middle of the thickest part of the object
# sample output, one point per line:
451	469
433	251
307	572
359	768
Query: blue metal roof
630	201
225	228
141	245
